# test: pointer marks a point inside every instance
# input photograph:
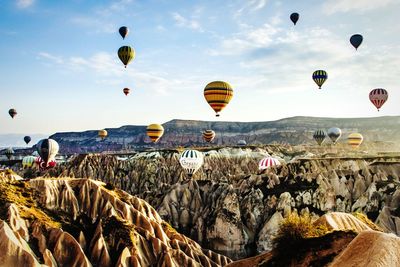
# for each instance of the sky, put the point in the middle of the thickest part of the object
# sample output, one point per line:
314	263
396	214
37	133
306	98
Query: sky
60	70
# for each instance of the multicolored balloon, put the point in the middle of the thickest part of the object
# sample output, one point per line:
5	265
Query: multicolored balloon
356	40
28	162
126	54
208	135
126	91
294	17
218	94
123	31
12	112
191	161
355	140
27	139
47	149
268	162
155	131
319	136
319	77
102	134
378	97
334	134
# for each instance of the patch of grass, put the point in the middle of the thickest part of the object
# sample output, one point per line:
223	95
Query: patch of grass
362	217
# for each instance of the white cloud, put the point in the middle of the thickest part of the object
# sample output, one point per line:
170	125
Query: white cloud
54	59
333	6
186	23
251	6
25	3
97	24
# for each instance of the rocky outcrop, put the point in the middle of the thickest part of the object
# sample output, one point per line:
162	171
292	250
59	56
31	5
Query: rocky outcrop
230	208
82	222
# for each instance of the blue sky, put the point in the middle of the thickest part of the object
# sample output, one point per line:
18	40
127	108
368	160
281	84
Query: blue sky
61	72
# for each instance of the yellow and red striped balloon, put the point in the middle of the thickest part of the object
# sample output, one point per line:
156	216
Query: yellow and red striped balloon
208	135
218	94
355	140
155	131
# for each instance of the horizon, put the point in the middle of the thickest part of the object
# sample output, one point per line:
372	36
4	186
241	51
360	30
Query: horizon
62	74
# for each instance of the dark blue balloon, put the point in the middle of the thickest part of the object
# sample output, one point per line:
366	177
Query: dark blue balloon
27	139
356	40
294	17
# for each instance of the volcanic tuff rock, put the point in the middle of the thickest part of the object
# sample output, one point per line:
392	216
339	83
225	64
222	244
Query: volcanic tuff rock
295	130
230	208
82	222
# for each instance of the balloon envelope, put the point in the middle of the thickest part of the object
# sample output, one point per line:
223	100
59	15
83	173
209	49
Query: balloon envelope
355	139
12	112
102	134
356	40
208	135
126	91
334	134
28	162
294	17
154	132
191	161
268	162
123	31
378	97
126	54
218	94
319	77
27	139
47	149
319	136
9	152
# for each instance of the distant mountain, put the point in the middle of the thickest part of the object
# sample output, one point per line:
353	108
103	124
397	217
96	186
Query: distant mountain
294	130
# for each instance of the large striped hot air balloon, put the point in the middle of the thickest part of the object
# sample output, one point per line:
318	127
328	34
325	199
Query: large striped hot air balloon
208	135
378	97
191	161
126	54
47	149
319	77
102	134
268	162
334	134
319	136
218	94
28	162
155	131
355	140
123	31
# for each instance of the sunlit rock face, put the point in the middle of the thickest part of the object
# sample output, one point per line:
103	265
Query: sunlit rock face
232	209
82	222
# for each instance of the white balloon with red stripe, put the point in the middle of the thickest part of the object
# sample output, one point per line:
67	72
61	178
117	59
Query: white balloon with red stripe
268	162
378	97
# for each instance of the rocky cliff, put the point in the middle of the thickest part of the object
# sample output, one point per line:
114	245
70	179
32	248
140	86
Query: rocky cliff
82	222
232	209
295	130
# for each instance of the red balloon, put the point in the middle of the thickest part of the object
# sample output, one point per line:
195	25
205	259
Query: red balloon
126	91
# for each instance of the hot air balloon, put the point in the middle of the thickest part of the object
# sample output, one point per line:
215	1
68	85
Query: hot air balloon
123	31
356	40
378	97
208	135
27	139
319	77
47	149
9	153
102	134
268	162
126	91
294	17
12	112
191	161
355	140
218	94
334	134
319	136
155	131
28	162
126	54
241	143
